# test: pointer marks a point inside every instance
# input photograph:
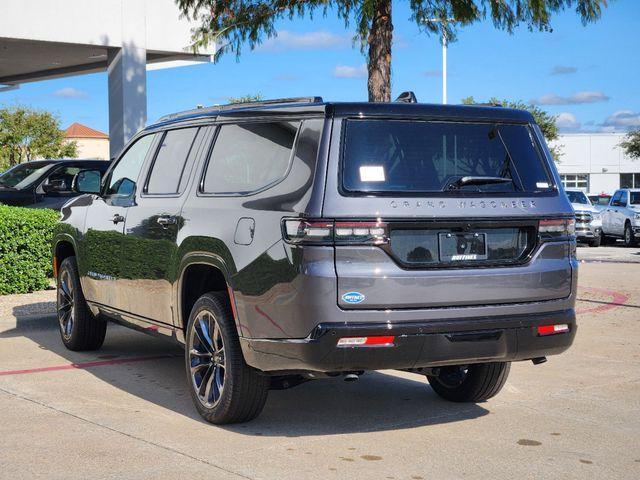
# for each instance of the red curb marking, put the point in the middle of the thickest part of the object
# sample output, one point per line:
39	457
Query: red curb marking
618	299
84	365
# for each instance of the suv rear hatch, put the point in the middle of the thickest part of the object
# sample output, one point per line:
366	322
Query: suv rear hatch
458	208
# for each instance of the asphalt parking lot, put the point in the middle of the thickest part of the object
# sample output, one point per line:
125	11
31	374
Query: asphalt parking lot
124	412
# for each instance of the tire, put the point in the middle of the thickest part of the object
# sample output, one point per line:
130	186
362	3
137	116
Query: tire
604	240
79	329
223	387
595	242
472	383
629	239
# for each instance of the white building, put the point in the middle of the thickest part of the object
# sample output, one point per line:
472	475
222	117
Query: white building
596	163
43	39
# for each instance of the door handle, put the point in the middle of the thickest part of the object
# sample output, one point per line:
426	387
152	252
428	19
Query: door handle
165	221
117	218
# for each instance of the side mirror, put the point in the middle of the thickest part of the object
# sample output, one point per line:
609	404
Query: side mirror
55	186
87	181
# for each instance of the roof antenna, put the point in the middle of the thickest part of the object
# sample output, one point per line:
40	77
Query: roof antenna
407	97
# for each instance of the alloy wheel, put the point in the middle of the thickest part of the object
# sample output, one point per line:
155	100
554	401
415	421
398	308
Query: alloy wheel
66	304
207	359
453	376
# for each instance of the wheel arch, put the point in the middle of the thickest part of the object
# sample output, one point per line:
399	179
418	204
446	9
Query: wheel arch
64	246
201	273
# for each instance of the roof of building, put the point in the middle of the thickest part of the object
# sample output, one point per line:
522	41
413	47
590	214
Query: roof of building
77	130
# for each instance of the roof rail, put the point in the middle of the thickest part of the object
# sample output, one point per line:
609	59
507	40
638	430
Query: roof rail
233	106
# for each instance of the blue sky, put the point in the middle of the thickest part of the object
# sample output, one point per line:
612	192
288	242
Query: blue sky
588	75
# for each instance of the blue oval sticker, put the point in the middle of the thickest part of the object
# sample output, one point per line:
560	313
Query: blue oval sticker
353	297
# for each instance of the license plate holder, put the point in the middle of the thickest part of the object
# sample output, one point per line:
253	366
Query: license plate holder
462	247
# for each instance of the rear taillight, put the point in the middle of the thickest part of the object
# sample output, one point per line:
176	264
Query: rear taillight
308	231
556	228
544	330
374	341
329	232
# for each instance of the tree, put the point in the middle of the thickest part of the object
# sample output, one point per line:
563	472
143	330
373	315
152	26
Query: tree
246	98
26	134
231	23
631	144
545	120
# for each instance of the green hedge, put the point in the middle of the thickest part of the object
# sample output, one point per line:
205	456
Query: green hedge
25	248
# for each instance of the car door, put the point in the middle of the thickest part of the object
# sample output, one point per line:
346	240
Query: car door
608	215
55	190
620	213
104	281
153	224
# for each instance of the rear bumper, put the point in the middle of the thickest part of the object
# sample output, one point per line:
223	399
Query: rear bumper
417	344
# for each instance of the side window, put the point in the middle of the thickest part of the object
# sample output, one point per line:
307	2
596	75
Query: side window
249	157
169	165
615	200
62	178
623	198
124	176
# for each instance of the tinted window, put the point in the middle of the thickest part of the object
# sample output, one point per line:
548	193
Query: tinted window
22	175
635	198
418	156
63	177
616	197
248	157
124	176
169	165
623	198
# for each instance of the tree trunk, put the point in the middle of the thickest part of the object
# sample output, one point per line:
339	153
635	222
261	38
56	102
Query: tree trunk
379	65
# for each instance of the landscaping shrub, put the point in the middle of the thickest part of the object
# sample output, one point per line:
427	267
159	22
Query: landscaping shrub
25	248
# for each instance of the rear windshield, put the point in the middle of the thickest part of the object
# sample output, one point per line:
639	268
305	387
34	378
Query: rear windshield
400	156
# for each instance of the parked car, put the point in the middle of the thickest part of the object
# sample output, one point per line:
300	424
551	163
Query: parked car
43	183
621	218
600	200
588	218
291	240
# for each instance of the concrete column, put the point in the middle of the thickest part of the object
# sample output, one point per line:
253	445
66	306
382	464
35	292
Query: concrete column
127	95
128	77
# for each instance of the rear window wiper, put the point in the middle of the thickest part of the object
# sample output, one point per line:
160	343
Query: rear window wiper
475	180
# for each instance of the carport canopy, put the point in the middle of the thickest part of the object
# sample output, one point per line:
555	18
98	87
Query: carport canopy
41	40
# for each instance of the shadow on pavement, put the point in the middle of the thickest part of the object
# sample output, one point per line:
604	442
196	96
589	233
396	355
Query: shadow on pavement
377	402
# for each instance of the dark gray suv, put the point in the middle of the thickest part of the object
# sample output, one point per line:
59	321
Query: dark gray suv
290	240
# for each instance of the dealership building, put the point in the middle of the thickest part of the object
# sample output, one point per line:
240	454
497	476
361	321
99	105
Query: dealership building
595	163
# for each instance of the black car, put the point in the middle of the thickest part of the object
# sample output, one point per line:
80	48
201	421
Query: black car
43	183
290	240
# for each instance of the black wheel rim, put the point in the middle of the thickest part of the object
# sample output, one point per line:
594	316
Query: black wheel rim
452	377
207	359
65	304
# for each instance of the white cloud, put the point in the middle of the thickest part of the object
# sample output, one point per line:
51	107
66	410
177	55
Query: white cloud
622	119
345	71
567	122
305	41
575	99
563	70
70	92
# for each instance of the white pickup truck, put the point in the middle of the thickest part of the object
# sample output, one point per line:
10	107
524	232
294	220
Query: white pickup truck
588	218
621	218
